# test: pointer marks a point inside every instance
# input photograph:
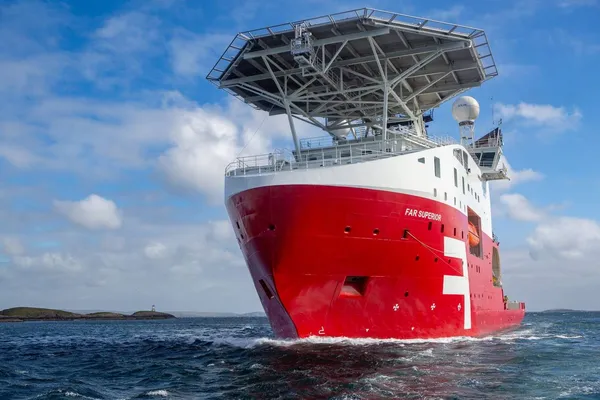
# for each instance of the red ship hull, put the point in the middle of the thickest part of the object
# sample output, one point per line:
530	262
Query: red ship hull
355	262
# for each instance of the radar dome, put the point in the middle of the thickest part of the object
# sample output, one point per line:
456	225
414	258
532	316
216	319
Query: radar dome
465	109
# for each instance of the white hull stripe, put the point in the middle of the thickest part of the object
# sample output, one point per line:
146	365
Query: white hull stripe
458	284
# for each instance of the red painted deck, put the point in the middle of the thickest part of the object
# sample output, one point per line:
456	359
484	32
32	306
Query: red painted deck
301	242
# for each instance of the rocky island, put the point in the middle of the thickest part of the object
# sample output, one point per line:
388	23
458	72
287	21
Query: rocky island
20	314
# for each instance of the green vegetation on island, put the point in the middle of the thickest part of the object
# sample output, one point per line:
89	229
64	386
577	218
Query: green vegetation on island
19	314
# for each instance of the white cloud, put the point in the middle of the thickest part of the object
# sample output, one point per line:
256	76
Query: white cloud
580	45
550	282
206	139
49	261
576	3
517	177
448	15
175	265
193	55
17	155
127	33
557	267
12	246
93	212
155	250
33	74
204	144
117	50
566	237
520	209
543	115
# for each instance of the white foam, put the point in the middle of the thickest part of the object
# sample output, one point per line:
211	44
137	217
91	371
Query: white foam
569	337
159	393
525	334
68	393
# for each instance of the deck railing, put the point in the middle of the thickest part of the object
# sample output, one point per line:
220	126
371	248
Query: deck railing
327	151
285	160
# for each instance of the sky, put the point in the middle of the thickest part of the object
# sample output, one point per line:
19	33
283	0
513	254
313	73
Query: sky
113	146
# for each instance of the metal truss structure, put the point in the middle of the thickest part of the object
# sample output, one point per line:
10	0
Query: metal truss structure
360	68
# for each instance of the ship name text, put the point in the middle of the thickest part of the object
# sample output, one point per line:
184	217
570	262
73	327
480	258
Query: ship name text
412	212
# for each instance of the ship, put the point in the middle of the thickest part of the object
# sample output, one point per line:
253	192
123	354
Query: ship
378	229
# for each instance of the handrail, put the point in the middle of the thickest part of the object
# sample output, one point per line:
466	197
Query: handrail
404	132
327	151
280	160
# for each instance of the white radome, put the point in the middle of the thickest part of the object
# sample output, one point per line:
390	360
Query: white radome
465	108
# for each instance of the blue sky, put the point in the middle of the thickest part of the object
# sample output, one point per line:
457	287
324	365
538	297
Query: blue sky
112	147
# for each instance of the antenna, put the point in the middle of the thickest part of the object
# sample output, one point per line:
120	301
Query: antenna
465	111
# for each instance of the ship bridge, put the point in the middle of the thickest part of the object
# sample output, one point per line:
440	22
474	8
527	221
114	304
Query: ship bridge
366	77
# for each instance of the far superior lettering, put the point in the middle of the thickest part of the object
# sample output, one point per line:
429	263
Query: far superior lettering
411	212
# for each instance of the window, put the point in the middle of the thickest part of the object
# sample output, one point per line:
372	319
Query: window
434	192
457	154
455	201
445	195
468	187
463	184
421	160
455	177
436	165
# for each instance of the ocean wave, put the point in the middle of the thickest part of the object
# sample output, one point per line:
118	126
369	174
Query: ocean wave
227	358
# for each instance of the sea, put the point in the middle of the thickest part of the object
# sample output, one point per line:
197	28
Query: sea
552	355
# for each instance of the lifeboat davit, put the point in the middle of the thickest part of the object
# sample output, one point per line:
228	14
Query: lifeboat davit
473	235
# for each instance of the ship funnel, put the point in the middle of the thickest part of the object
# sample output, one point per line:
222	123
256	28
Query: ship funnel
465	111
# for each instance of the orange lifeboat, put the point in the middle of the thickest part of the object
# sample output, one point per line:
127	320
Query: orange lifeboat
473	235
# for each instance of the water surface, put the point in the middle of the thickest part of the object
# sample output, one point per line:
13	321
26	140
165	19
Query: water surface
551	356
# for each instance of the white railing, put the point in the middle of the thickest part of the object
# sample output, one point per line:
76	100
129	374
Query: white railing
403	132
325	152
284	160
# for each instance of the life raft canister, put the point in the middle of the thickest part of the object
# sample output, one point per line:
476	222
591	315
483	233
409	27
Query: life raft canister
473	235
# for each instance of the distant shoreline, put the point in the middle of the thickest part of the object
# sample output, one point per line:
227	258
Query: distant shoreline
22	314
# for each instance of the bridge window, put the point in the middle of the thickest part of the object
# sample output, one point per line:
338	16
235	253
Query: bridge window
455	177
436	164
457	154
465	160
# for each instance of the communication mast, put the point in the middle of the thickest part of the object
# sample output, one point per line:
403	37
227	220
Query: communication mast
465	111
